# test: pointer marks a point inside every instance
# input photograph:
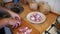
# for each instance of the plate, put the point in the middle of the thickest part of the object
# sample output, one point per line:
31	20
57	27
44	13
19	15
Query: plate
42	17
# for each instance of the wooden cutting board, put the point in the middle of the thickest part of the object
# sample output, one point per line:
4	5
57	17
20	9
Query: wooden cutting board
24	24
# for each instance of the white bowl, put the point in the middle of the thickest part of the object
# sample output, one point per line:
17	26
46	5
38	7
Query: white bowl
42	19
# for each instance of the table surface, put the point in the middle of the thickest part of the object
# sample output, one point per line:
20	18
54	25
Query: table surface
39	27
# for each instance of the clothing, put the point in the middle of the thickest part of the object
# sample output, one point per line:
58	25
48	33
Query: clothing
2	31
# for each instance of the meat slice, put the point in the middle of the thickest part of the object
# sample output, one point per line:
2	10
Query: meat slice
23	29
35	17
28	31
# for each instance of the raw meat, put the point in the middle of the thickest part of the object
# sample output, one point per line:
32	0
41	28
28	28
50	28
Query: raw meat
35	17
25	30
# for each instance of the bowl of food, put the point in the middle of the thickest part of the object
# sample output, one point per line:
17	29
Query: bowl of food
36	17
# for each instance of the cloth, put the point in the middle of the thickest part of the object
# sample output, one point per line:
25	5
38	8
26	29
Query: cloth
2	31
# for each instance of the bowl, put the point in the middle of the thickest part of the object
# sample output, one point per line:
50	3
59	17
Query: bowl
17	9
36	19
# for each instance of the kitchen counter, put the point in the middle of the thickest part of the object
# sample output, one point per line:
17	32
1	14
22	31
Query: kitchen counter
37	28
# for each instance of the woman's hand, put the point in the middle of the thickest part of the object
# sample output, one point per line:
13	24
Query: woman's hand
16	19
10	22
15	16
14	23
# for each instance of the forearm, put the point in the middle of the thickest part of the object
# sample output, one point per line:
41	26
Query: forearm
3	22
6	10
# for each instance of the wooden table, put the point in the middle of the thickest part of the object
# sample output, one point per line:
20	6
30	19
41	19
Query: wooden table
37	28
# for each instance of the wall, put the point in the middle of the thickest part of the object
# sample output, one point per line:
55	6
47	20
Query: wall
57	7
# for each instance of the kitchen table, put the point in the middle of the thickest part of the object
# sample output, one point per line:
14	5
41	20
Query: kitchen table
36	28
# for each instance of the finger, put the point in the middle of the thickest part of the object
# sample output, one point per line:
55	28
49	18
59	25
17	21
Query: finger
13	26
16	25
19	23
17	18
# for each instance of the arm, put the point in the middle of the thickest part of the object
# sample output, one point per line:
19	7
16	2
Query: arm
3	22
9	21
16	17
6	10
13	15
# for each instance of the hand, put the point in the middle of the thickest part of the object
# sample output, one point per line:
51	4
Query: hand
15	16
13	22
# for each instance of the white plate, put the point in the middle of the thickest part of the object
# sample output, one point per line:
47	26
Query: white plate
42	15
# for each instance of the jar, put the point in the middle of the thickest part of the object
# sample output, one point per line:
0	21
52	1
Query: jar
44	7
33	6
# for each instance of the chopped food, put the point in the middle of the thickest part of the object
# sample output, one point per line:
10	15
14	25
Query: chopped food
35	17
25	30
28	31
32	18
